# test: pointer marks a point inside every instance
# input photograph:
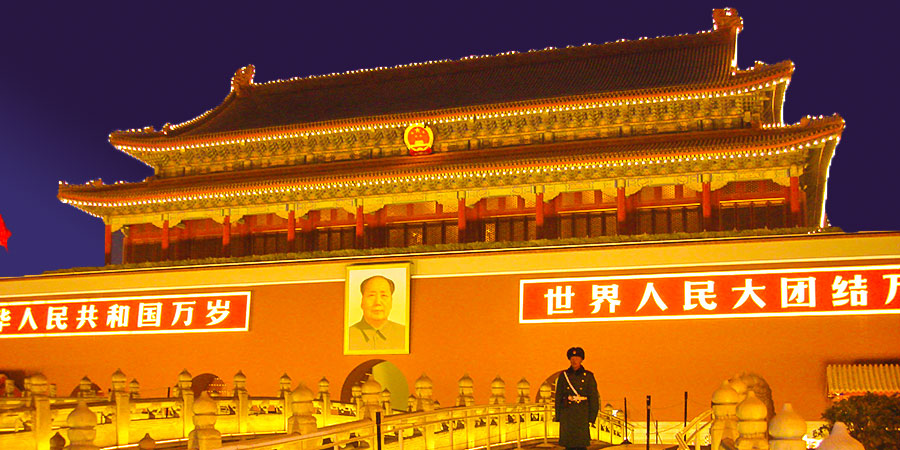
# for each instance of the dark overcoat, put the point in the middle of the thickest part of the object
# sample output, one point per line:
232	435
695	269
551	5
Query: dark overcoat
575	418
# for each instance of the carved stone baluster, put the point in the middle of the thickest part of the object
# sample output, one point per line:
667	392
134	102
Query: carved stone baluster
751	414
242	400
786	430
325	398
122	413
39	392
466	389
724	407
204	435
81	423
186	398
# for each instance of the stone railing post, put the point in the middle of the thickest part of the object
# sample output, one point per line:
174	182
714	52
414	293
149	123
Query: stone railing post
146	443
751	414
498	397
81	423
325	398
356	399
122	414
39	391
371	398
134	388
724	408
284	391
204	436
546	393
386	402
466	391
372	405
411	402
786	430
284	385
86	388
424	388
523	388
302	420
466	398
242	401
498	392
186	398
10	388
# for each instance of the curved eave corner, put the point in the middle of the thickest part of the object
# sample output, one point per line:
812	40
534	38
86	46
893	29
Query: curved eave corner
822	168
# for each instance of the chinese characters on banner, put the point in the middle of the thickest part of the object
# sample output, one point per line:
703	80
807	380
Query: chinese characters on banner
752	293
186	313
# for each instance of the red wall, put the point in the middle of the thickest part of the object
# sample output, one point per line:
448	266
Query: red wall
470	325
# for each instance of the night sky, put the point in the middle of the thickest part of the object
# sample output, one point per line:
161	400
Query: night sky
72	72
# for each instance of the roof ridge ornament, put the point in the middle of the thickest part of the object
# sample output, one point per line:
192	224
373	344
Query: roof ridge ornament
727	18
243	80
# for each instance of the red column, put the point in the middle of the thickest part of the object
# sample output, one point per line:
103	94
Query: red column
461	221
360	228
126	245
706	205
107	244
620	210
539	215
292	230
312	243
226	236
165	240
795	202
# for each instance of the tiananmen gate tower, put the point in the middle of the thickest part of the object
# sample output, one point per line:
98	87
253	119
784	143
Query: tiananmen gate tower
641	199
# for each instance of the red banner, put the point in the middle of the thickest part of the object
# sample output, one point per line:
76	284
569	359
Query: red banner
183	313
749	293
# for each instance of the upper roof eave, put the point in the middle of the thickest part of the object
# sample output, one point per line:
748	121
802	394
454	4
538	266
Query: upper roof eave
653	146
706	56
761	76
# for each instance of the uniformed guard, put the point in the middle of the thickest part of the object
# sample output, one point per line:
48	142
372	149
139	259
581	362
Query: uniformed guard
577	402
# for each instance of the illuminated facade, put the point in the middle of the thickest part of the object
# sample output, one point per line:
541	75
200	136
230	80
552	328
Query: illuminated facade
632	163
550	144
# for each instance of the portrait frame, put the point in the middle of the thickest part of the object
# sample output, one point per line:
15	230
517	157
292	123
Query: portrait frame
399	314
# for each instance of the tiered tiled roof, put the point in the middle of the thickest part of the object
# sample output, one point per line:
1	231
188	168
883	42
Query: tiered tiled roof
855	379
751	143
623	69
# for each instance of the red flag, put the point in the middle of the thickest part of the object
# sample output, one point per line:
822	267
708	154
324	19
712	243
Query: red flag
4	234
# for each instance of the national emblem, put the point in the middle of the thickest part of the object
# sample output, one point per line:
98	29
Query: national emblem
418	139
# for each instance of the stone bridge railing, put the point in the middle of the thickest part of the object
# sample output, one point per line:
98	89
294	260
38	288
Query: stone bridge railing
743	417
29	419
294	419
462	427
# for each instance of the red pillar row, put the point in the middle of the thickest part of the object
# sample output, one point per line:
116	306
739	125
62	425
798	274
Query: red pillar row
539	215
107	244
165	240
360	227
706	206
794	200
291	231
621	215
461	221
226	236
